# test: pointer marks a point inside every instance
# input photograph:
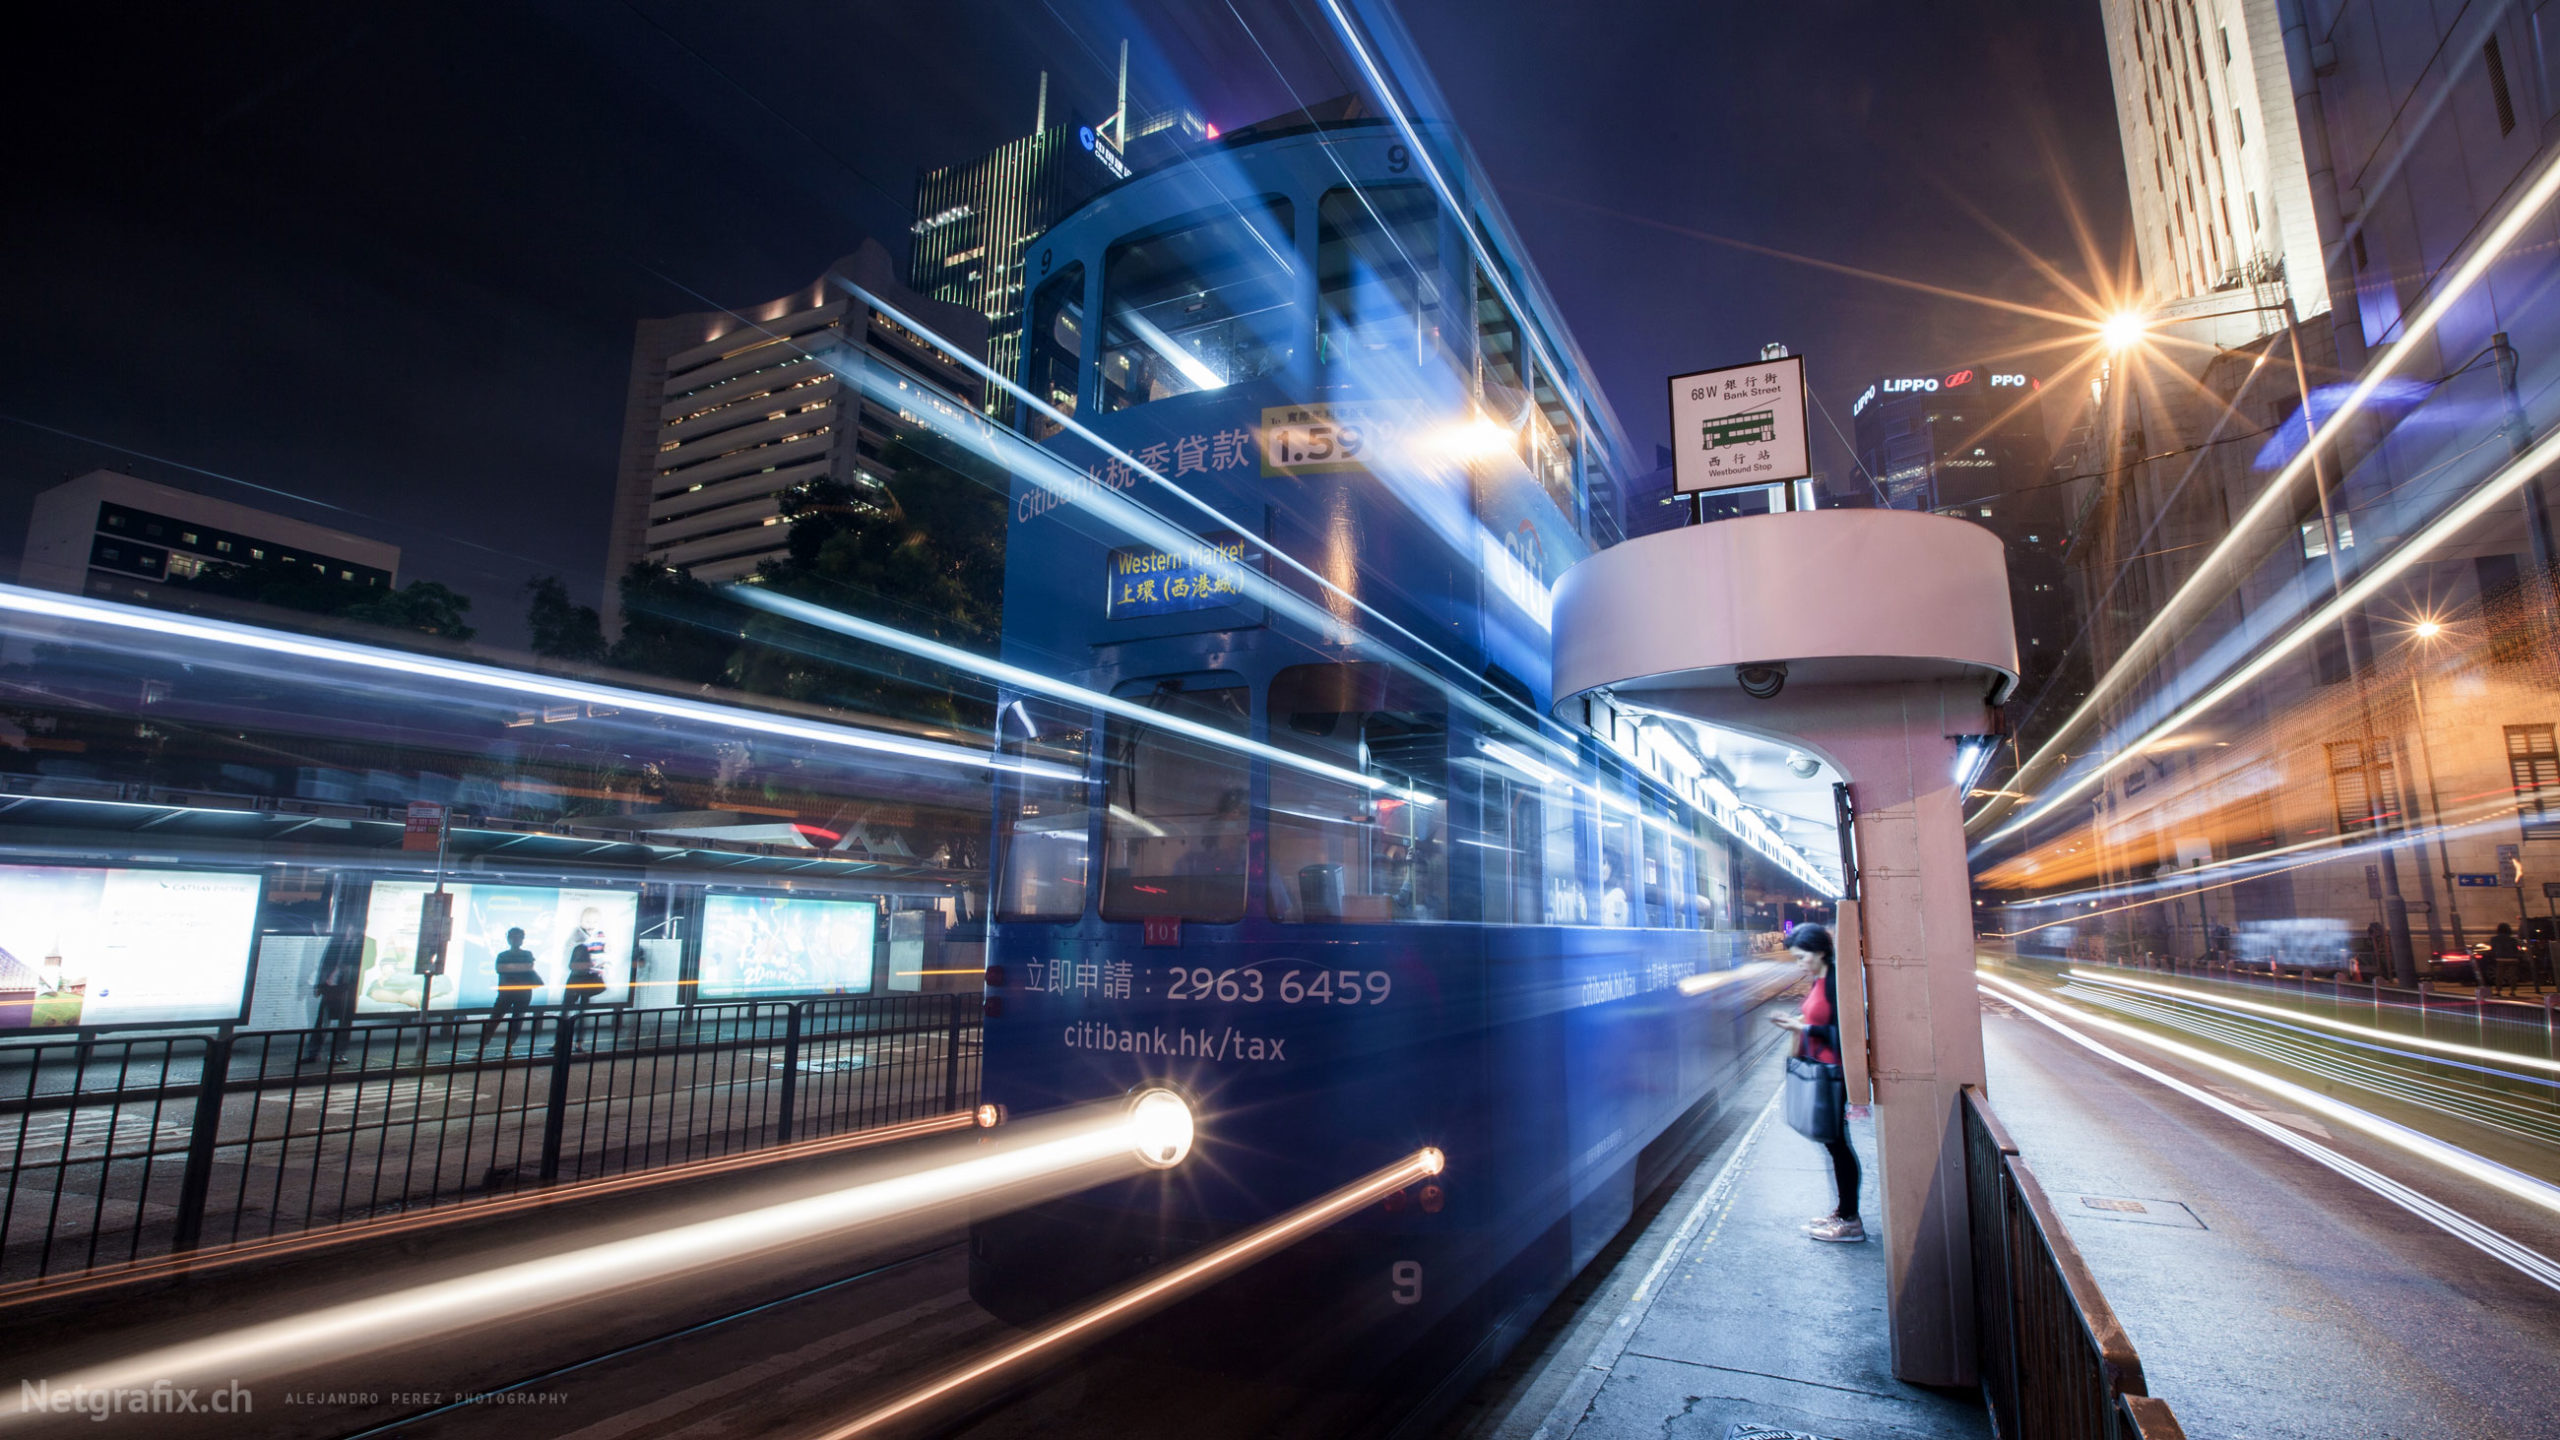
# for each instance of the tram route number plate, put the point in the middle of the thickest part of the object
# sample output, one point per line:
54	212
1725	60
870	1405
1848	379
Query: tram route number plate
1163	931
1319	439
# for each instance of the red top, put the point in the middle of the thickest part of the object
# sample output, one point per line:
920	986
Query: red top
1817	1011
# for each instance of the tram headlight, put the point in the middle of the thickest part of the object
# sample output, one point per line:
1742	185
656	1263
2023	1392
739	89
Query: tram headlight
1160	1124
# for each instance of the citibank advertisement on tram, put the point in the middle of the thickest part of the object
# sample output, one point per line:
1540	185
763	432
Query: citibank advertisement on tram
110	945
555	923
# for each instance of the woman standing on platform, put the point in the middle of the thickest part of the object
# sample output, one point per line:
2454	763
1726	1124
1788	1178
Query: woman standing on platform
1818	1040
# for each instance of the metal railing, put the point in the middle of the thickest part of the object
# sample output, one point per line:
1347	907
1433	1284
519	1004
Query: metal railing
2055	1363
119	1150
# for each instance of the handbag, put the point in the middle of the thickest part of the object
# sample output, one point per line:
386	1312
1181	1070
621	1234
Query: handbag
1816	1100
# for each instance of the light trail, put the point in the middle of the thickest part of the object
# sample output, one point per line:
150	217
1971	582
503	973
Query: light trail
2525	1260
1053	1155
1008	1363
1036	683
2451	1158
2451	289
2206	997
198	1262
40	604
2334	1059
2487	494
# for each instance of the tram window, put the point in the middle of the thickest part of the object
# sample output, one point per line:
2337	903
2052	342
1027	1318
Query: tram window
1501	369
1377	251
1568	899
1057	346
1174	818
1047	820
1666	888
1342	851
1199	308
1619	885
1552	442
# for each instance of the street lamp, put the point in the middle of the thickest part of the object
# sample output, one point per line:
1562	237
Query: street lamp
2428	630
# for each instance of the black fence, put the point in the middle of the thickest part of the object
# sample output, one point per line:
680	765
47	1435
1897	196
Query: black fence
2055	1363
121	1150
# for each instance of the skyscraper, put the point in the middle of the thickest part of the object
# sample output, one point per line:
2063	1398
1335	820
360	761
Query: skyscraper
2214	148
1971	443
727	412
973	220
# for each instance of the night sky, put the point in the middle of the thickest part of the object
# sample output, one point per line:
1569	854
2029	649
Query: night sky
386	259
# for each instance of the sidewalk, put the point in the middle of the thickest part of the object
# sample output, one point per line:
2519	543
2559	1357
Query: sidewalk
1724	1317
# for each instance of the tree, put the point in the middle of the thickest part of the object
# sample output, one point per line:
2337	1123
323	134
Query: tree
675	626
426	606
422	605
923	552
562	629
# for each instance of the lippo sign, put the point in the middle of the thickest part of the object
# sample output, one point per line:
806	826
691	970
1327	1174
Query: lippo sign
1739	427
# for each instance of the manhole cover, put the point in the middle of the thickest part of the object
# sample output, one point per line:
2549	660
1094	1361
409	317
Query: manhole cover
1743	1431
2167	1213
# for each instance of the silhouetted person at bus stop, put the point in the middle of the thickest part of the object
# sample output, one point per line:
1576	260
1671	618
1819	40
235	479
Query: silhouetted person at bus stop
335	985
518	980
586	966
2505	960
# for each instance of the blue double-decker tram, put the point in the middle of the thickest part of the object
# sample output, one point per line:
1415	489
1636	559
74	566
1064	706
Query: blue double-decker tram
1326	865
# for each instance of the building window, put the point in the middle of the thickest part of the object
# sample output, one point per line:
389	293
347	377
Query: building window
2366	794
2497	68
222	547
2239	131
2225	33
1200	307
2253	212
1377	251
2315	541
2533	767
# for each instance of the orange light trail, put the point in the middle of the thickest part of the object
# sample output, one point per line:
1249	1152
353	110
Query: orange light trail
999	1366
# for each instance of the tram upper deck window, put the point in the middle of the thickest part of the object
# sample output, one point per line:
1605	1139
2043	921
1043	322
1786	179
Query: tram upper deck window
1377	253
1174	823
1502	371
1201	307
1057	347
1345	851
1552	442
1045	825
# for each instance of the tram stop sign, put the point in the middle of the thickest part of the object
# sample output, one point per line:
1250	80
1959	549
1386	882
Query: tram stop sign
1739	428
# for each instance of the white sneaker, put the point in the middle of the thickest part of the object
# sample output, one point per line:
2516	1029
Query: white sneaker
1839	1232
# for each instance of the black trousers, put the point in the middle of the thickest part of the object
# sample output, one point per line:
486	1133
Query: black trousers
1844	1176
516	1003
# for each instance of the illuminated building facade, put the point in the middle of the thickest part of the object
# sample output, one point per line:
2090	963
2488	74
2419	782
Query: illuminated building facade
2326	692
2214	148
1971	443
119	537
974	220
729	411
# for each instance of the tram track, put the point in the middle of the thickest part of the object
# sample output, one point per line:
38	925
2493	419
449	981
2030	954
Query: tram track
2406	1076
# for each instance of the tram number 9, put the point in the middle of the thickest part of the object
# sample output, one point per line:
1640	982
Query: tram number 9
1337	987
1406	1278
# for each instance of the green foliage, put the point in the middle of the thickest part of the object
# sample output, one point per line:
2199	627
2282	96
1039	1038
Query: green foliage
923	552
562	628
425	606
675	626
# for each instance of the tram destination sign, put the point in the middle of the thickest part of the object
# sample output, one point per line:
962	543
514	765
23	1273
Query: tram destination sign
1146	580
1740	427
